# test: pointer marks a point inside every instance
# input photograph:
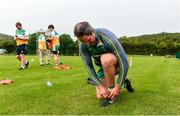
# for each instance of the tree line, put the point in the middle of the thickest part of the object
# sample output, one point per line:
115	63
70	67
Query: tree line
68	46
157	44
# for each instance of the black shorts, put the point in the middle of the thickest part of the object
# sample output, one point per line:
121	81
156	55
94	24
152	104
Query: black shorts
54	52
21	49
97	61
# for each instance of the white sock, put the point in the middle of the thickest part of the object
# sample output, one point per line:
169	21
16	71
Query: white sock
22	67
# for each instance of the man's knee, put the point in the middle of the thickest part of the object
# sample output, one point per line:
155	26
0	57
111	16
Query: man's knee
108	60
22	56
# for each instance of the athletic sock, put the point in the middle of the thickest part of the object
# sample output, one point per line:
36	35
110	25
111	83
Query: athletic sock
26	62
22	67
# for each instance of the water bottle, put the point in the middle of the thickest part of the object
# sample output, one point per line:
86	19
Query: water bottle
49	84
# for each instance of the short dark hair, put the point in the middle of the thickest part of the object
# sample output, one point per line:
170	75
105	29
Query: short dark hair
51	26
83	28
18	23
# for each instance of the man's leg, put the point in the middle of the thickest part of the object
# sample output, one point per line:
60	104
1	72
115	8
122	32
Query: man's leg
48	54
40	58
23	52
109	64
55	59
18	57
22	61
18	53
46	57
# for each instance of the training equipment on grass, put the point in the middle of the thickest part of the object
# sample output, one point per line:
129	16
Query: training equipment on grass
5	82
49	84
151	55
62	67
178	55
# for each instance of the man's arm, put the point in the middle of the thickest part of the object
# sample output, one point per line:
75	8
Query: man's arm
22	37
86	57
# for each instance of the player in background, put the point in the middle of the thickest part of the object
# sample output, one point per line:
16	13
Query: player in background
21	39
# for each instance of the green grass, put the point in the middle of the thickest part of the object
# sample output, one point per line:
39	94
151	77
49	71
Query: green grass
156	81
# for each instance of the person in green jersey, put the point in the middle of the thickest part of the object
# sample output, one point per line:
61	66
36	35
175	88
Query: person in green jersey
21	45
103	47
54	45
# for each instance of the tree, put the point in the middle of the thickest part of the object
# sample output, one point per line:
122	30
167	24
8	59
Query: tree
32	44
67	45
8	44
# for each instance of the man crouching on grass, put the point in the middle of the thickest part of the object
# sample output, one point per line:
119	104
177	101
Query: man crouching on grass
103	46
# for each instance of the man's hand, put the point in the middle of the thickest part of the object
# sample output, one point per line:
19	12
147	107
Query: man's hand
103	91
114	92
